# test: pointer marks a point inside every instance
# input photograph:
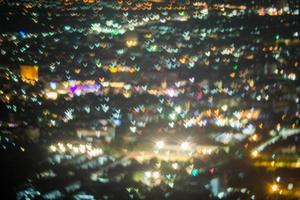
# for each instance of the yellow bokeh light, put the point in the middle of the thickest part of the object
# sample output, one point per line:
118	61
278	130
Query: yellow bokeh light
131	42
274	188
254	153
29	73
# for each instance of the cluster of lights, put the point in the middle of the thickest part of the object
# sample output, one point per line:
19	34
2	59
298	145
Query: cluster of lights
186	147
159	145
75	149
176	58
79	88
152	178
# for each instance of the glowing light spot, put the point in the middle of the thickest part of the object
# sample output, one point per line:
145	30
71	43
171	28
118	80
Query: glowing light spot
274	188
160	144
195	172
185	146
254	153
235	67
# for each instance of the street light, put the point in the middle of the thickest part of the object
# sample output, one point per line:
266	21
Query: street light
184	146
274	187
160	144
254	153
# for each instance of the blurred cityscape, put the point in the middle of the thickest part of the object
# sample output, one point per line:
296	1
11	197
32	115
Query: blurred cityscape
156	99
